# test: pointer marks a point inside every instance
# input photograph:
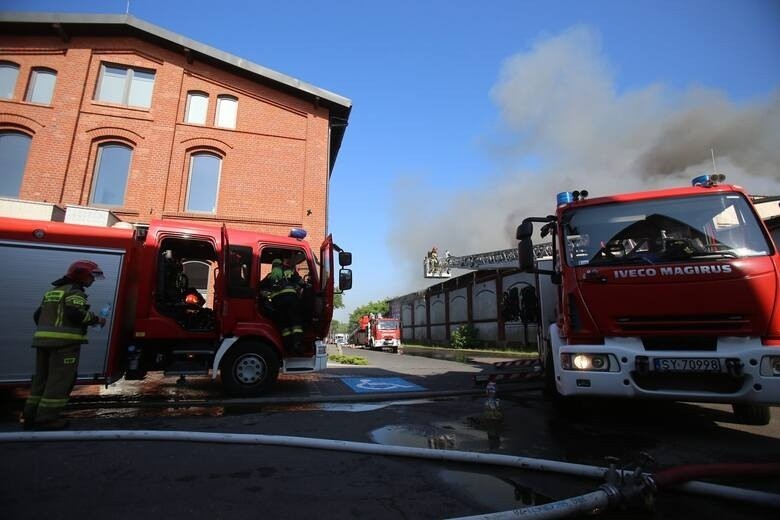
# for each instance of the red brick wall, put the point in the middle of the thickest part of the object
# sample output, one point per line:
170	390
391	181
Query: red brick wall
274	163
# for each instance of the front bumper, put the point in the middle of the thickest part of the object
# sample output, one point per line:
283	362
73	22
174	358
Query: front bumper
746	372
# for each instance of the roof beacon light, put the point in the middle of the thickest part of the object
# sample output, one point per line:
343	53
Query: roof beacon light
298	233
707	181
564	198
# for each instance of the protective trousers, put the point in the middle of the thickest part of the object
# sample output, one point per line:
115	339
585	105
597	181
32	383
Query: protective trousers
288	313
55	374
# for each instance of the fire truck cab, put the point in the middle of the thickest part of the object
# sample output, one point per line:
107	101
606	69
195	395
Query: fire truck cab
667	294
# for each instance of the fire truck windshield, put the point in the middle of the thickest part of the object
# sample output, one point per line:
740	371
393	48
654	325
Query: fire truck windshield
388	325
703	227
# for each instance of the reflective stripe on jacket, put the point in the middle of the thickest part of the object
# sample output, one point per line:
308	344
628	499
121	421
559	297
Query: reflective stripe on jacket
63	317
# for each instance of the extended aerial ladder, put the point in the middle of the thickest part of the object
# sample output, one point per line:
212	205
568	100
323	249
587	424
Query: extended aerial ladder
441	267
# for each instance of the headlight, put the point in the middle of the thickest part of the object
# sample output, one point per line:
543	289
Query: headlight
582	361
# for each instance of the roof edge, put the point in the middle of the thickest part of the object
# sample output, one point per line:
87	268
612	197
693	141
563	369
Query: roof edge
155	30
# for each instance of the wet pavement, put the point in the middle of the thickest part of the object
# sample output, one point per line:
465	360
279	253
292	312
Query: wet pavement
185	480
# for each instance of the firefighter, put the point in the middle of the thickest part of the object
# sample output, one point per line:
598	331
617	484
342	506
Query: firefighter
281	286
62	320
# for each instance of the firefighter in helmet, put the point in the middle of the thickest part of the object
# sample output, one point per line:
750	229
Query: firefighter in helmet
281	287
62	320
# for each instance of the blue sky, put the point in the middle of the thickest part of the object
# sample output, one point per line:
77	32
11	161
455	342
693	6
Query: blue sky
468	115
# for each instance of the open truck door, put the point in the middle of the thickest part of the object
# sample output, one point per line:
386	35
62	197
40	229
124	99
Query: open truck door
221	276
324	306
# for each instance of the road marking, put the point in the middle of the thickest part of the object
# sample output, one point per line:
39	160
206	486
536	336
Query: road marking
363	385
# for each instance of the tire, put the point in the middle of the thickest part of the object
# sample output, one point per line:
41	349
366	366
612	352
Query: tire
753	414
249	370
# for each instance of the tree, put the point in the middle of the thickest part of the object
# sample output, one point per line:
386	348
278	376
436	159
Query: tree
338	301
381	307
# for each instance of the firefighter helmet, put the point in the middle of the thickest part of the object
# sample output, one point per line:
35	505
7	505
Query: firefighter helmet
82	269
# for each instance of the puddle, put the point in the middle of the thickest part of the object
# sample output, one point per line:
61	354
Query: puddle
367	407
415	436
127	413
492	492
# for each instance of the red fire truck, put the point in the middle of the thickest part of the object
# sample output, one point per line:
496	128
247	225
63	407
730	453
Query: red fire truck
378	332
669	294
180	298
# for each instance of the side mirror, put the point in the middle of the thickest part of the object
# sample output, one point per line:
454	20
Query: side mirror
525	252
345	279
345	258
525	230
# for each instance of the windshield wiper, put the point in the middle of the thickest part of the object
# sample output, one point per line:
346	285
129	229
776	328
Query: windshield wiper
714	254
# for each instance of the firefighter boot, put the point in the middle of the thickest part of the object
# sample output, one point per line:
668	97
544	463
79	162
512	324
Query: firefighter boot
297	341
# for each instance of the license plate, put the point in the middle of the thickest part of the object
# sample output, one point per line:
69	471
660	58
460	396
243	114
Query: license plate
687	364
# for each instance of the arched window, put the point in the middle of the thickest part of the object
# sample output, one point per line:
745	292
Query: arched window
204	182
227	111
14	148
197	107
8	74
112	167
41	86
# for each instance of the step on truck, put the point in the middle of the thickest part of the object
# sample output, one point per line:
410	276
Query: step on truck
181	298
669	294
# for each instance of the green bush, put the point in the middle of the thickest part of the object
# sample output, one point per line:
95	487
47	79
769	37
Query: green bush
465	336
348	360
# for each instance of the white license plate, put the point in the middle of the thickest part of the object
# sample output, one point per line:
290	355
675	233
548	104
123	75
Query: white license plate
687	364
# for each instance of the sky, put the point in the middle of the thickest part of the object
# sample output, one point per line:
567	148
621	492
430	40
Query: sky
469	116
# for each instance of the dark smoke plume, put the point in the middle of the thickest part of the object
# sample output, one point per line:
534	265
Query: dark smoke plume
560	107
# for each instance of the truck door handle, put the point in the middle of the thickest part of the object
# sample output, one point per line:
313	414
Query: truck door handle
594	276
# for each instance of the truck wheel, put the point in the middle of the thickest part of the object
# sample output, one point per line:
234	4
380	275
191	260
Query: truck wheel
754	414
248	370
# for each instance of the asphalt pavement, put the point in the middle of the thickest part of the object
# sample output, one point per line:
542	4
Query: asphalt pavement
303	474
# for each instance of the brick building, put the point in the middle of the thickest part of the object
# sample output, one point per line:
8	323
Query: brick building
111	112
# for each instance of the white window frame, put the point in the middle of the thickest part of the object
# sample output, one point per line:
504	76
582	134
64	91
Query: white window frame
9	66
34	88
193	156
226	115
188	113
127	88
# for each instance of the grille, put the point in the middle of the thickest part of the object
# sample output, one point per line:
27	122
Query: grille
708	323
678	342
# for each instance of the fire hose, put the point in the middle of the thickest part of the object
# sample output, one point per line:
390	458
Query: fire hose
621	486
635	489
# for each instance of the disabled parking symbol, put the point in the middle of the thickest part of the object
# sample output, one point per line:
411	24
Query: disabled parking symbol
365	385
